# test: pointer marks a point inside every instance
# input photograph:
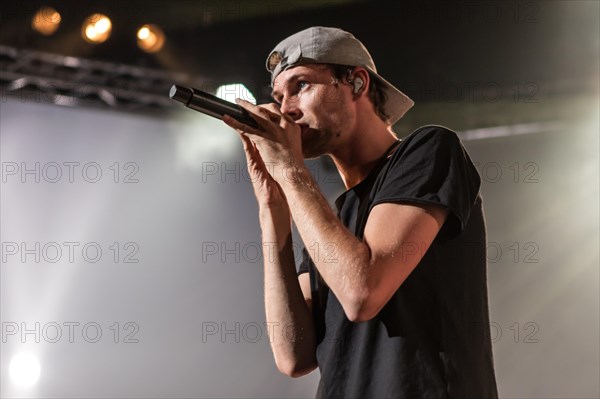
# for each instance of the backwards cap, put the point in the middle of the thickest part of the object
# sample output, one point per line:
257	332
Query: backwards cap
322	45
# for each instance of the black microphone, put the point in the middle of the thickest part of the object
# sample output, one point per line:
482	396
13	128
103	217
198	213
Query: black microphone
210	105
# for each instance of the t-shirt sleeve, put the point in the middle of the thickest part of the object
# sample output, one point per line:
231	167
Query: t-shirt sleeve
432	168
304	262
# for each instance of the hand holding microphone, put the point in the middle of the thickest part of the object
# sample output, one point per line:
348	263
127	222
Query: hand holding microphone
279	135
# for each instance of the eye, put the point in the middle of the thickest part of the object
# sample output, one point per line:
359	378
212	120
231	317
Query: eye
302	84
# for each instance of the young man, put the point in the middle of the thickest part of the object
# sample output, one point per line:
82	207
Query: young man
391	297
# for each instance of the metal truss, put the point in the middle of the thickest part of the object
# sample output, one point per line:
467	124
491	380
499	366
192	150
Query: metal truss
70	81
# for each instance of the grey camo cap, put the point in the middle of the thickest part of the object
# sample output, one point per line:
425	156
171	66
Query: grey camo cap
322	45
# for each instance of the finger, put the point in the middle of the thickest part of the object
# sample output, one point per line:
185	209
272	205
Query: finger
253	157
269	115
241	127
286	120
277	116
263	116
273	108
270	109
264	122
247	143
252	153
266	115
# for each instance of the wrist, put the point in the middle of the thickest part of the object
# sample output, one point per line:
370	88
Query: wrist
275	214
275	224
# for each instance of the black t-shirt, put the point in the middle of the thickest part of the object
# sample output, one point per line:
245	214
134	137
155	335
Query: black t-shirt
432	339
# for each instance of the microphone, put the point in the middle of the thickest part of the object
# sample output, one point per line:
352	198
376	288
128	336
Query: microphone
210	105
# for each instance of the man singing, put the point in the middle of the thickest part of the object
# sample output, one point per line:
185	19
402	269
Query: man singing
390	299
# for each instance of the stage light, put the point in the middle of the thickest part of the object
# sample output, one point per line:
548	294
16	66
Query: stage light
96	28
236	90
46	21
150	38
24	370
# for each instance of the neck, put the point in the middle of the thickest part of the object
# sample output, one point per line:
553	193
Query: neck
360	153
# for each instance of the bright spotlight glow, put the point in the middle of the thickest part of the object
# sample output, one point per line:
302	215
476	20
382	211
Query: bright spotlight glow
46	21
143	33
96	28
24	369
91	32
103	25
150	38
236	90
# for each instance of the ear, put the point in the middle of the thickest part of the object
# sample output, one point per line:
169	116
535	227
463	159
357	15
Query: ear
358	84
360	80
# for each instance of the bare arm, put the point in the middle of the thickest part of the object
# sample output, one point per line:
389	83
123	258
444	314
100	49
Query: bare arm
363	275
288	314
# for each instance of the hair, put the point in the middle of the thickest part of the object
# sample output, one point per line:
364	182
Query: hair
376	89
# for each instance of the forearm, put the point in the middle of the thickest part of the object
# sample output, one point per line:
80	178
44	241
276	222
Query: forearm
341	258
289	319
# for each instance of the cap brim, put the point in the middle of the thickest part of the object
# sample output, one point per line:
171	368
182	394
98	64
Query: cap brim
397	103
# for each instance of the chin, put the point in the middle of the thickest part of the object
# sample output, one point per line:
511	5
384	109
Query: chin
312	149
314	143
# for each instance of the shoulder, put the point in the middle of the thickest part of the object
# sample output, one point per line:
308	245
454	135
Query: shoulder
428	141
432	133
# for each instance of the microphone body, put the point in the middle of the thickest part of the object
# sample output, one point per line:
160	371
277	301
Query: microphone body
210	105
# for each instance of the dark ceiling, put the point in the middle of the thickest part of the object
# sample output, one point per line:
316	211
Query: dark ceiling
418	45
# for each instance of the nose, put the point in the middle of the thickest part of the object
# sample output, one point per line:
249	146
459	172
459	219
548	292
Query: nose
291	108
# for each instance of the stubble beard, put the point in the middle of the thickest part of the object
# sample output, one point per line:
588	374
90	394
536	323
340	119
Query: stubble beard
317	143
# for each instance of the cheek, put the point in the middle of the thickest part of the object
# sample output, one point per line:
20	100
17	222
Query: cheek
321	97
323	102
335	110
332	98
